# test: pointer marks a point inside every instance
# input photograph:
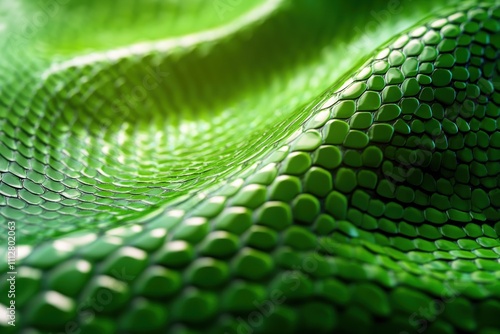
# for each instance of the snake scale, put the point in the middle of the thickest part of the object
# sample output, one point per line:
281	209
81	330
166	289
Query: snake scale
250	167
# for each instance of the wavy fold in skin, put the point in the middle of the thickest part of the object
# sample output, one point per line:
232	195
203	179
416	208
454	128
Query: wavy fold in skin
232	166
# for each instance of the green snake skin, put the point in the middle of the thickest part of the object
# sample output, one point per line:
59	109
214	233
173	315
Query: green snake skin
229	166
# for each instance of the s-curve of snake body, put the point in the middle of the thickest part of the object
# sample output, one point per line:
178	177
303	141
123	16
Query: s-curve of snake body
267	166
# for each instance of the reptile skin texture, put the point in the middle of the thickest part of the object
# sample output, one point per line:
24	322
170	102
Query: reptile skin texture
251	167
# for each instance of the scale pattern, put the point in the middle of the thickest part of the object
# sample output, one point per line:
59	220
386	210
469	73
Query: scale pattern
380	211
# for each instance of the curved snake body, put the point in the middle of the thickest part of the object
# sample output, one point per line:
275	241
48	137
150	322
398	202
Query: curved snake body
371	207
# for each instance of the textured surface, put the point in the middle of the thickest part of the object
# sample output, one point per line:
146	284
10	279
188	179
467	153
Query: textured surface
200	184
